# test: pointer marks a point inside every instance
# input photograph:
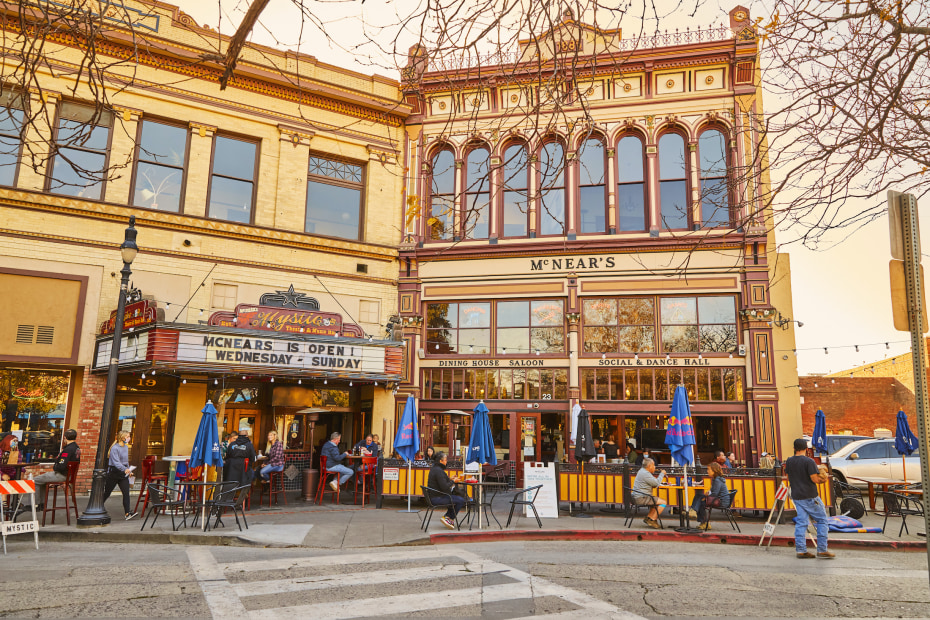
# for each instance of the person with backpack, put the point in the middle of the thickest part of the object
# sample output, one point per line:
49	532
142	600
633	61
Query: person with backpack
239	455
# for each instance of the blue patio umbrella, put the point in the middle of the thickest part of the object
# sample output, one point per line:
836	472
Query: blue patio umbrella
819	436
206	450
481	443
905	441
679	436
407	440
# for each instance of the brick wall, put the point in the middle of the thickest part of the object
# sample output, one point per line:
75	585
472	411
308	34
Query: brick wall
856	404
87	423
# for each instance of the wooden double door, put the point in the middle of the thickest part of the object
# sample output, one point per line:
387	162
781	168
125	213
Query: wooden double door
150	420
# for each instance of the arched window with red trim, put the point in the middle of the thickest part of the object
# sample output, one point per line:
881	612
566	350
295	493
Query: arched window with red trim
673	182
552	189
441	220
515	192
631	189
477	194
715	200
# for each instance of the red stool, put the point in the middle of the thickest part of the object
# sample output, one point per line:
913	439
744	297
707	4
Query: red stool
366	475
325	478
274	486
147	464
67	485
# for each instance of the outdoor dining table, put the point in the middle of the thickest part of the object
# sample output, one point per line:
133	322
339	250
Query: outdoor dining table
173	468
478	498
358	458
882	483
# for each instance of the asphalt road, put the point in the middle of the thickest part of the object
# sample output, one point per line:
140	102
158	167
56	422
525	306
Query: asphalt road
493	580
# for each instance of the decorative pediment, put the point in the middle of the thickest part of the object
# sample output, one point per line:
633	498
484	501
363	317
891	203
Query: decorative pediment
569	37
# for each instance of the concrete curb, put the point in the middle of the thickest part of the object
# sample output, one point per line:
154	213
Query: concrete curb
661	536
159	538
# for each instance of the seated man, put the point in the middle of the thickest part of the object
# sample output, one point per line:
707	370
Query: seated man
439	480
70	452
643	485
367	446
334	461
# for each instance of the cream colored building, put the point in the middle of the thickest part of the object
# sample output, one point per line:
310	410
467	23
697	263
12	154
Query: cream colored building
290	178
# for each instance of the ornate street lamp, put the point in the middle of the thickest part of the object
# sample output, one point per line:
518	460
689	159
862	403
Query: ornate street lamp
95	513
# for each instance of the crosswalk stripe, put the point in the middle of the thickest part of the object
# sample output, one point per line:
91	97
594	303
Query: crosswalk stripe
391	605
216	590
322	582
335	560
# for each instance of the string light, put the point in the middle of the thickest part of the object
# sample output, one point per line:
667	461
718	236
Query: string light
153	372
143	375
370	338
826	351
300	381
184	381
857	348
886	346
350	384
272	379
636	356
325	381
603	356
216	382
815	385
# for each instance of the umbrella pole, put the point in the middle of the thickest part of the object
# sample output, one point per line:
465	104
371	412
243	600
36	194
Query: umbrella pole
408	485
904	469
480	493
203	499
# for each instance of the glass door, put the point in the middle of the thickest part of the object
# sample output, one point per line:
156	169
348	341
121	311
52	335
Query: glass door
148	420
529	439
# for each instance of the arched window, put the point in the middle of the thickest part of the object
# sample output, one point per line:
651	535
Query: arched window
442	196
592	216
477	194
631	190
516	192
552	189
715	203
673	182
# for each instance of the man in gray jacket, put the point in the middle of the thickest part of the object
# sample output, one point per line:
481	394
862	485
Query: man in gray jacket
334	461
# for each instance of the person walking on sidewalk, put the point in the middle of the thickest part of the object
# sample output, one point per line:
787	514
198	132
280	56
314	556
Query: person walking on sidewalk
118	473
803	478
70	452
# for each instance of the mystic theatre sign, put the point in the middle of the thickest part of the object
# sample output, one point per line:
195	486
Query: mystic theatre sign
273	314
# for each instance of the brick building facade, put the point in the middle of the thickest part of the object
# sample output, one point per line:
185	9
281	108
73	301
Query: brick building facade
855	405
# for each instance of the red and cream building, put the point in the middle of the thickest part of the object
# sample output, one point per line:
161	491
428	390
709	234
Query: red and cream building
586	224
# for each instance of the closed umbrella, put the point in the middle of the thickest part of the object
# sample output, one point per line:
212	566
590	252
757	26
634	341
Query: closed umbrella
407	440
679	436
905	441
206	451
819	436
481	446
584	450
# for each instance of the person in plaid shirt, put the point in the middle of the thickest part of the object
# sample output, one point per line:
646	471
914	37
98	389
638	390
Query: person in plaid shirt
275	456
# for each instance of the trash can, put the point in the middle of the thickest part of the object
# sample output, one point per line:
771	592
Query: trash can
311	476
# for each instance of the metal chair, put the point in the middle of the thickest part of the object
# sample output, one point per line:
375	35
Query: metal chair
847	499
68	487
164	498
210	496
148	463
632	507
232	499
323	487
274	487
728	511
896	505
527	500
429	494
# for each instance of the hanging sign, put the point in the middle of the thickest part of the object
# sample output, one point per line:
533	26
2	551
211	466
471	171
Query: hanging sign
136	314
284	320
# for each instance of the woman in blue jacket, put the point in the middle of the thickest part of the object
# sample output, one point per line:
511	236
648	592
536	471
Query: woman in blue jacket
717	497
118	472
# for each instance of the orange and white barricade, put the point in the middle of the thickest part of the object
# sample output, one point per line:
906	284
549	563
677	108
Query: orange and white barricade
781	497
7	528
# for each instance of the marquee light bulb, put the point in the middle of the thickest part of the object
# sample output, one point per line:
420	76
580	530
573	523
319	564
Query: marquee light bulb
216	382
300	382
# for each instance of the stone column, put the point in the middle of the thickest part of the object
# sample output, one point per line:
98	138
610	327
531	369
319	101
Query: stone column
611	179
290	206
122	154
199	159
34	163
694	179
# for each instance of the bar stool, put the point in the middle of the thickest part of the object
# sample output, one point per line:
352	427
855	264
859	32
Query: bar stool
274	486
366	474
325	478
67	485
147	464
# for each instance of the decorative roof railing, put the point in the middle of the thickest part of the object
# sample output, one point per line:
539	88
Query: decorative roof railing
659	39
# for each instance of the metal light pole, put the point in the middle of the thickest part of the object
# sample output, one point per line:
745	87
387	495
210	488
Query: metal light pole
96	513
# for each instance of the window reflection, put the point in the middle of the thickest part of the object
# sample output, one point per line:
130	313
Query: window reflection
673	198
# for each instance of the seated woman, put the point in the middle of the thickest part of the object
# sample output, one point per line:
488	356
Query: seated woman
717	497
643	485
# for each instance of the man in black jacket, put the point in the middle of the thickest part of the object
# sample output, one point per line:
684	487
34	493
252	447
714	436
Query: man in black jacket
439	481
69	452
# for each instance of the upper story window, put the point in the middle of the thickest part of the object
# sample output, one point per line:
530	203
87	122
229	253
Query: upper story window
515	211
459	328
232	182
11	124
335	191
673	182
441	220
161	163
715	204
477	194
530	326
592	207
552	189
82	140
692	324
625	325
631	190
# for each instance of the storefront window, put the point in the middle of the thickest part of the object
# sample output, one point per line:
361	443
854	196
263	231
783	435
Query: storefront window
521	384
625	325
458	328
530	326
237	396
290	430
702	384
691	324
35	403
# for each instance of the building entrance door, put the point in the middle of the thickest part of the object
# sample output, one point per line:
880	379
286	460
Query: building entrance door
149	420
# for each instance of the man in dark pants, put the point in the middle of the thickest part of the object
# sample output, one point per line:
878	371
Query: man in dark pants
439	480
70	452
803	478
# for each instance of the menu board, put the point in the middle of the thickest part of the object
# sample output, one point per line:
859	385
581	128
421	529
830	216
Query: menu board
547	502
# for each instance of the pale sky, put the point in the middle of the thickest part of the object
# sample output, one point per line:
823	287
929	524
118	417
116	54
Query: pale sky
841	293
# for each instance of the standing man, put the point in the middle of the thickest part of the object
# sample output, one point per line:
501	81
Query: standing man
803	478
334	461
69	453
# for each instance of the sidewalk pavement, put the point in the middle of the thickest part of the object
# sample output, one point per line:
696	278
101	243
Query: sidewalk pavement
348	526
